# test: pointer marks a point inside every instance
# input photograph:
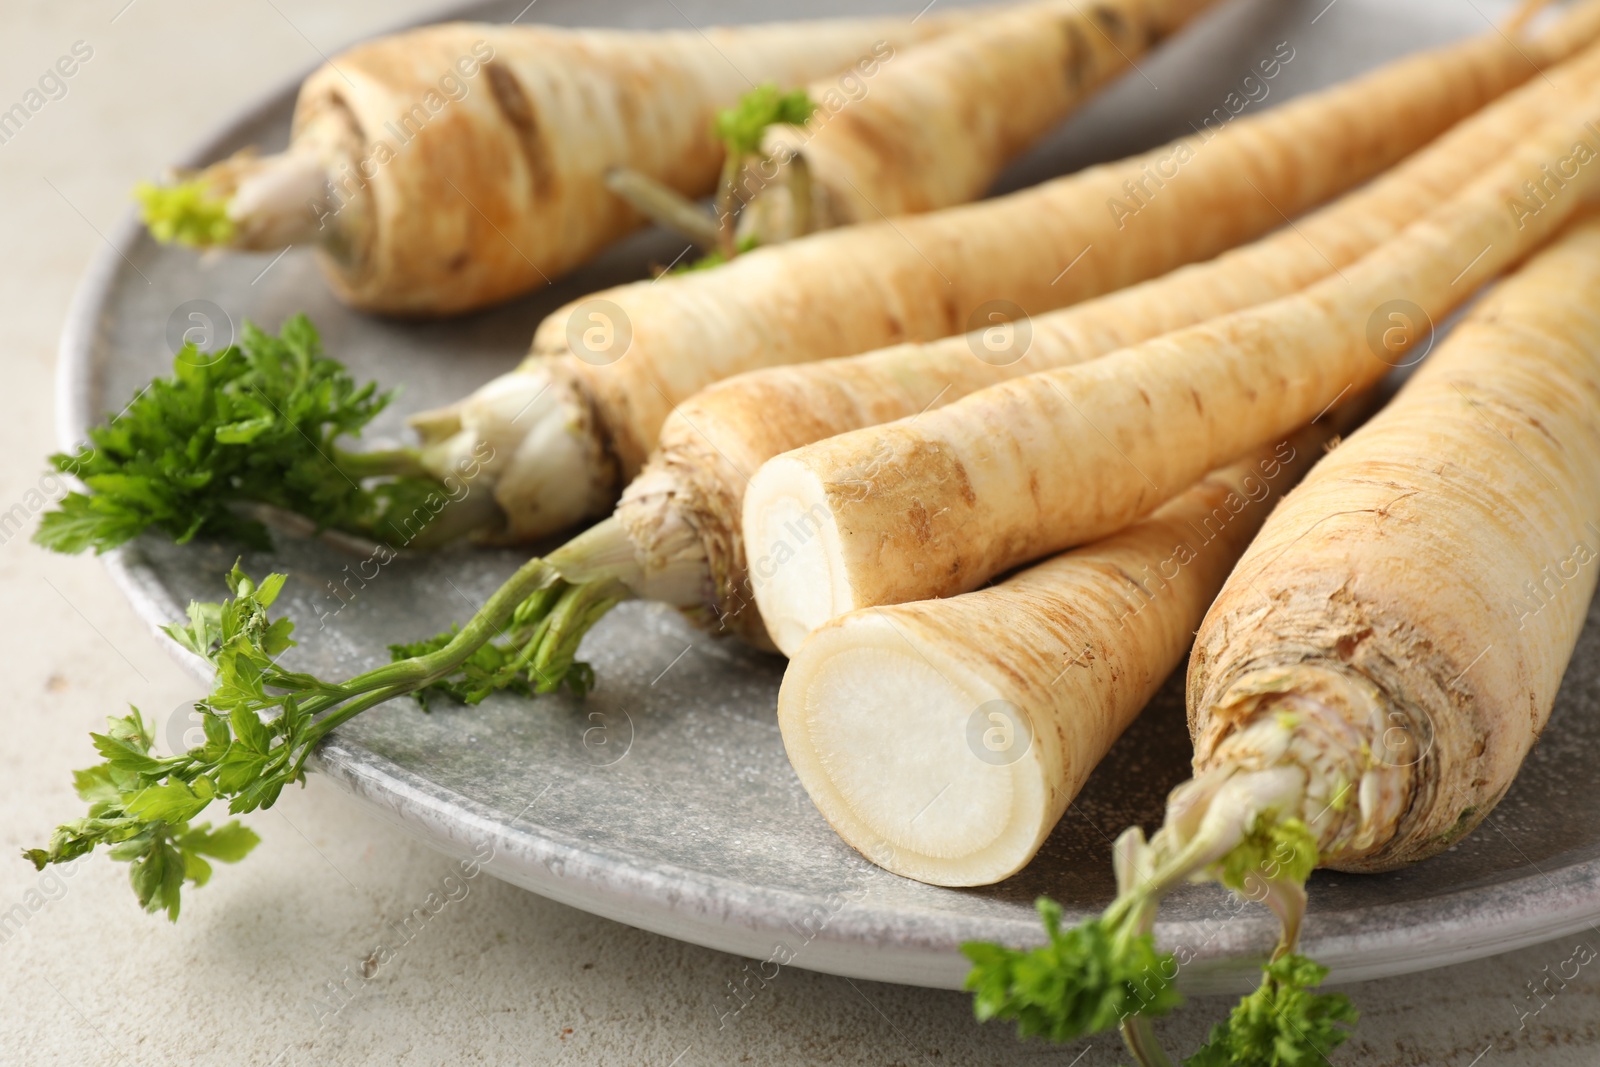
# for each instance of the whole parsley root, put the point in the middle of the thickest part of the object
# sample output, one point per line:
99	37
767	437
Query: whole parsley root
917	129
524	117
260	422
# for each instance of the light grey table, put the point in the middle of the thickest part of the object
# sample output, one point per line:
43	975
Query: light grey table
266	967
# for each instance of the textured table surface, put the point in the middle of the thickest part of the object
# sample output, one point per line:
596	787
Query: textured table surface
267	967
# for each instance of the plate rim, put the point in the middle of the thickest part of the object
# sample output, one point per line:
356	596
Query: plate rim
1462	925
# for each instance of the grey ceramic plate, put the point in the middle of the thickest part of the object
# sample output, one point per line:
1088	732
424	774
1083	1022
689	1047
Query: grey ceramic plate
665	800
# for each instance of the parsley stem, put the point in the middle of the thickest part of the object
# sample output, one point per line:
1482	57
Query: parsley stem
1139	1034
326	725
419	671
664	206
396	462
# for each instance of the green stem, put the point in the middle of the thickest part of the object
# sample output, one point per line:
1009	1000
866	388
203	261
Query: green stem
573	616
799	180
392	462
1139	1034
727	193
393	680
489	620
664	206
326	725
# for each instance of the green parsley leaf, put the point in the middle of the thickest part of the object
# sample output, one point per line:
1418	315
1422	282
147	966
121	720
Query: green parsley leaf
1081	981
741	127
255	423
1282	1023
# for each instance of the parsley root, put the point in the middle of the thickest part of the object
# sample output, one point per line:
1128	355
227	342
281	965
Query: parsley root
944	740
608	369
453	166
939	504
1373	672
675	536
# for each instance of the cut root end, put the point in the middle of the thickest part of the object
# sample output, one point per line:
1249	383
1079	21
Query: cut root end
937	788
791	536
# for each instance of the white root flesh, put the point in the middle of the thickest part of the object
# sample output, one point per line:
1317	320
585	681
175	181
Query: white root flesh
945	739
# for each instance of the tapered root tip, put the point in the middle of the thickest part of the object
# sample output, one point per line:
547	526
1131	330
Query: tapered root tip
914	760
795	553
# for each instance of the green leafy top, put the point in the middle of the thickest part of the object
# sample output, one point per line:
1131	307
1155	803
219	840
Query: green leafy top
1281	1024
1081	981
188	213
1106	972
741	127
141	805
261	723
257	421
145	821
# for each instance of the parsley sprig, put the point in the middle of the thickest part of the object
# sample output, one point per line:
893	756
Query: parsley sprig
261	723
1083	980
140	806
259	422
741	129
1282	1023
1107	972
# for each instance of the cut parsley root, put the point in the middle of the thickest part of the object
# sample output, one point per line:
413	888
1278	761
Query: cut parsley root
257	423
943	740
608	369
262	721
1372	674
457	165
937	505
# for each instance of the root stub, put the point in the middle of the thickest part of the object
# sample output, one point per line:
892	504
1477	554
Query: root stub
947	787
